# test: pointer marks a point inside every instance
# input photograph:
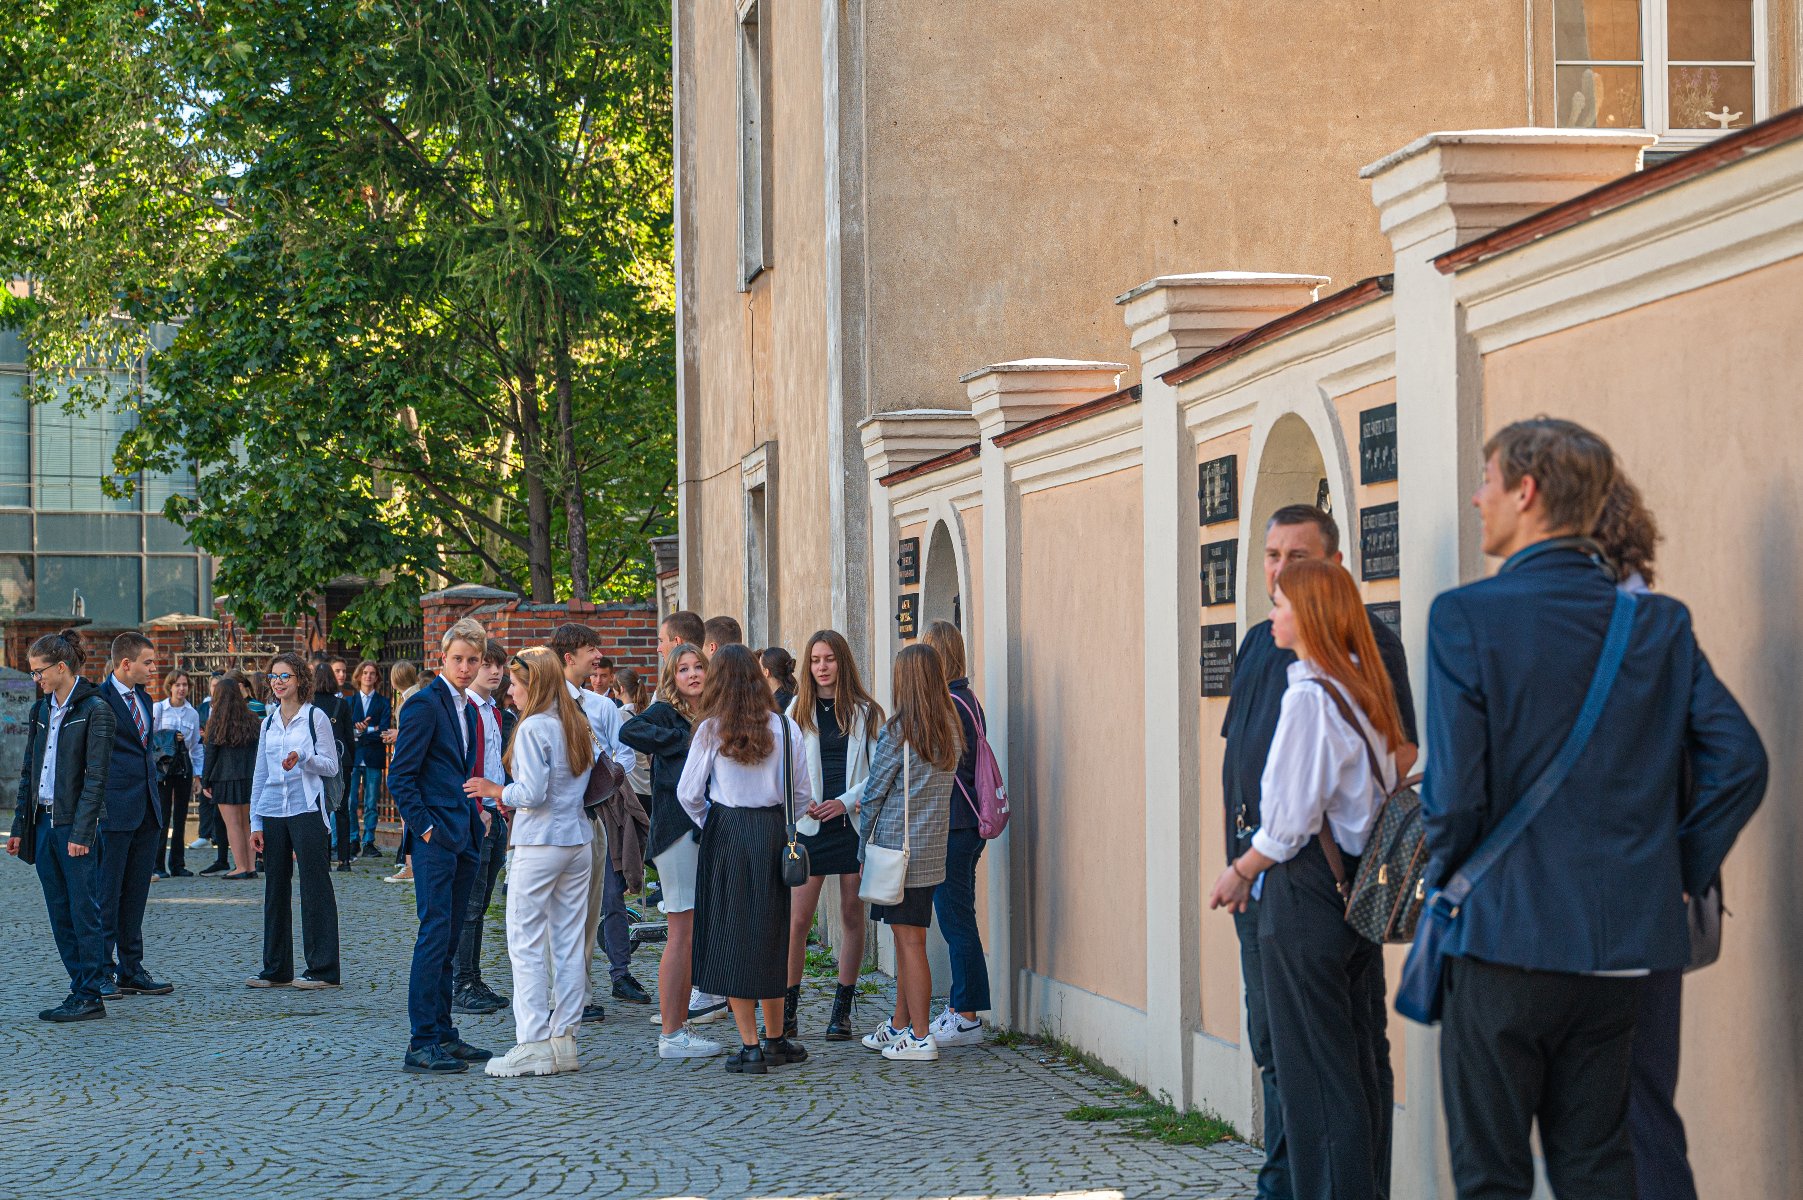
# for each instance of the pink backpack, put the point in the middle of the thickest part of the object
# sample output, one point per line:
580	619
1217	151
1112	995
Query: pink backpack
991	801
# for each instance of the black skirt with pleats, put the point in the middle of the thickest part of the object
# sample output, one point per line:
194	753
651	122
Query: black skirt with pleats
742	905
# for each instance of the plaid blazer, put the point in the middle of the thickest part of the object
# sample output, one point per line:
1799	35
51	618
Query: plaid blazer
929	809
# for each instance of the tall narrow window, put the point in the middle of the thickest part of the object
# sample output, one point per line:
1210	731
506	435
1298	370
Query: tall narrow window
1682	69
754	140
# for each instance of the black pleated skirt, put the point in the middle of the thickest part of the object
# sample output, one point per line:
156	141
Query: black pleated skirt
742	905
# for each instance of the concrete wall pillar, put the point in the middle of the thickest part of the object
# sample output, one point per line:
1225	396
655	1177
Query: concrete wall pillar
1433	194
1172	319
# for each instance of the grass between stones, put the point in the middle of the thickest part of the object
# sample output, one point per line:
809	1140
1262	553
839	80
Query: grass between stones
1144	1117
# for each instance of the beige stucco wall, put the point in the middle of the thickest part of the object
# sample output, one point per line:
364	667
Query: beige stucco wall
972	520
1077	788
1696	392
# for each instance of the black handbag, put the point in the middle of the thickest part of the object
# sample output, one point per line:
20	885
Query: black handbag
796	867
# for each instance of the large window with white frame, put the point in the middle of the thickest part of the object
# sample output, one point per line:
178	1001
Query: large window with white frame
1684	70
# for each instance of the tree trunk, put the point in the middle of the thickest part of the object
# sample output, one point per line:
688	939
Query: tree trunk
575	506
538	500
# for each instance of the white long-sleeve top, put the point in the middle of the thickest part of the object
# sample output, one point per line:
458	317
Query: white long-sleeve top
185	721
546	797
275	792
708	777
604	718
1317	768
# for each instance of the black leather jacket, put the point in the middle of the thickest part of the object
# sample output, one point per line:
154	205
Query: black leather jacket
84	751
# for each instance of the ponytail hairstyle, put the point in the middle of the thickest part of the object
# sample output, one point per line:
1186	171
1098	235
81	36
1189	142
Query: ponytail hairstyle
1335	633
737	702
632	686
539	672
924	716
64	647
781	666
848	694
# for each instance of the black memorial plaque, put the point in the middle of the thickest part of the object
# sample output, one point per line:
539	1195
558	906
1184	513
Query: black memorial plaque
1220	571
1217	659
907	608
1377	444
1390	613
1217	486
909	560
1379	547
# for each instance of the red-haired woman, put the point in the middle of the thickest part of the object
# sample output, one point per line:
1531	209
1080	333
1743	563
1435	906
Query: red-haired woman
1320	794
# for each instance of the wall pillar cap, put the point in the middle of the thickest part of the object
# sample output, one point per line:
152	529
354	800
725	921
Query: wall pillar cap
1452	186
1173	318
1006	395
181	621
895	441
468	593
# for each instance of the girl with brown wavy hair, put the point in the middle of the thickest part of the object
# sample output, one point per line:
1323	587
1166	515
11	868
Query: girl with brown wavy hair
1320	796
743	759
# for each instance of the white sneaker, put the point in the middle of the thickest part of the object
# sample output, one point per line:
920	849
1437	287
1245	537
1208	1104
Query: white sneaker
563	1053
200	844
686	1045
908	1048
527	1058
951	1029
705	1007
883	1038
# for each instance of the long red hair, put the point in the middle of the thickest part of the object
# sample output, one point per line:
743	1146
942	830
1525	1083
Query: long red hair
1335	634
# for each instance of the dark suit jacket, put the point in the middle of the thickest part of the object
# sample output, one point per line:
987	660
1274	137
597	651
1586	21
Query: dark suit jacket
131	779
429	769
371	751
1597	881
84	750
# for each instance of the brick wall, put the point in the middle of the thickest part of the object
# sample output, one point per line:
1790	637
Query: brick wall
628	630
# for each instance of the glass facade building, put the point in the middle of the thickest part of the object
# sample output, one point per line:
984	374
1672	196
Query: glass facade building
62	536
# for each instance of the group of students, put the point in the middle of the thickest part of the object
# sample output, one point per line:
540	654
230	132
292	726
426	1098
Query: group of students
1567	923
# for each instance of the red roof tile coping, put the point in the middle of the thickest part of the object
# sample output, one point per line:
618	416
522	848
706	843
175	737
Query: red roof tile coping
961	454
1725	151
1360	293
1069	416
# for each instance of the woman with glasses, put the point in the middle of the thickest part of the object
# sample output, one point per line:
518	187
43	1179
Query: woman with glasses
289	826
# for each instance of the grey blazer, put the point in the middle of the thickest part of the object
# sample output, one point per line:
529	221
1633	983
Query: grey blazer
929	809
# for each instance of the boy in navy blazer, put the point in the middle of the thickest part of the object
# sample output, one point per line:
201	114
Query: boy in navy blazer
370	712
132	825
1550	949
436	750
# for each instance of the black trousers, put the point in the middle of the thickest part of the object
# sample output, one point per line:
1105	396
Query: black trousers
127	859
305	842
1656	1131
172	854
488	869
1520	1046
1319	979
1274	1175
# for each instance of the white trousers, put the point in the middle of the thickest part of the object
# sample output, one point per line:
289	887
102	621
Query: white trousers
547	898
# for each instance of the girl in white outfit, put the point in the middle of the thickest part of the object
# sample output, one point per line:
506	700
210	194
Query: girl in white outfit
549	761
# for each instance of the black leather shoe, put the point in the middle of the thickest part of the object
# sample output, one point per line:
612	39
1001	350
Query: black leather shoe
218	868
748	1061
181	874
838	1026
109	989
780	1052
370	851
74	1009
344	868
630	990
432	1060
144	985
462	1051
593	1014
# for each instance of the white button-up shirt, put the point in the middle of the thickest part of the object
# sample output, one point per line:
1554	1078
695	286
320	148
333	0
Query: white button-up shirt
47	777
604	718
275	792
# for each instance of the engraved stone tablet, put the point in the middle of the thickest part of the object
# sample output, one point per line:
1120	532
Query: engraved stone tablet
1220	570
1217	486
909	560
1377	444
1378	544
1217	659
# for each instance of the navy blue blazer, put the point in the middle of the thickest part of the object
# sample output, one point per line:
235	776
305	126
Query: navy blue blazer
1597	881
429	769
131	778
371	750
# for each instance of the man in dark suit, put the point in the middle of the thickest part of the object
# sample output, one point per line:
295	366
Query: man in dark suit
1551	948
1260	676
437	749
370	714
132	825
469	992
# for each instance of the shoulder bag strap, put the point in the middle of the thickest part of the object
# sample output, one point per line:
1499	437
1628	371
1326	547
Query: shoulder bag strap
1329	847
906	788
788	783
981	732
1516	821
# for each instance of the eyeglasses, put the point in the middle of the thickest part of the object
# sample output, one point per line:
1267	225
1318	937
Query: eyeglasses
283	677
40	672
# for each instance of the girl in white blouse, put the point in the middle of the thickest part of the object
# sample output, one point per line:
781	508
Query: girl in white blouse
549	760
1323	982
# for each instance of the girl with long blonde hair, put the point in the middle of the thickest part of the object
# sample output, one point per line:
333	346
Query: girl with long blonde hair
1332	762
549	760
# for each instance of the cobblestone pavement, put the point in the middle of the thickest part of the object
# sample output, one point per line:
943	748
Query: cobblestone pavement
221	1091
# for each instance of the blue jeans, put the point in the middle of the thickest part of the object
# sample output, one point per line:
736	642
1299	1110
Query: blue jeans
955	904
366	790
74	908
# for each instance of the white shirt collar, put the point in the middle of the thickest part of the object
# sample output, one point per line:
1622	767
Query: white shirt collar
123	690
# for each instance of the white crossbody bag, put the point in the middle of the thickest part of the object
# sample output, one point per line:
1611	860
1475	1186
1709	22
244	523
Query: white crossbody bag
886	871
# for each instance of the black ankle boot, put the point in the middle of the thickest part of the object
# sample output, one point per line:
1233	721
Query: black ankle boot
780	1052
791	999
749	1060
838	1028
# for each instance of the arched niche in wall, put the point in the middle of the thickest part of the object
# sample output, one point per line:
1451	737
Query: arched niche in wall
1289	468
941	592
